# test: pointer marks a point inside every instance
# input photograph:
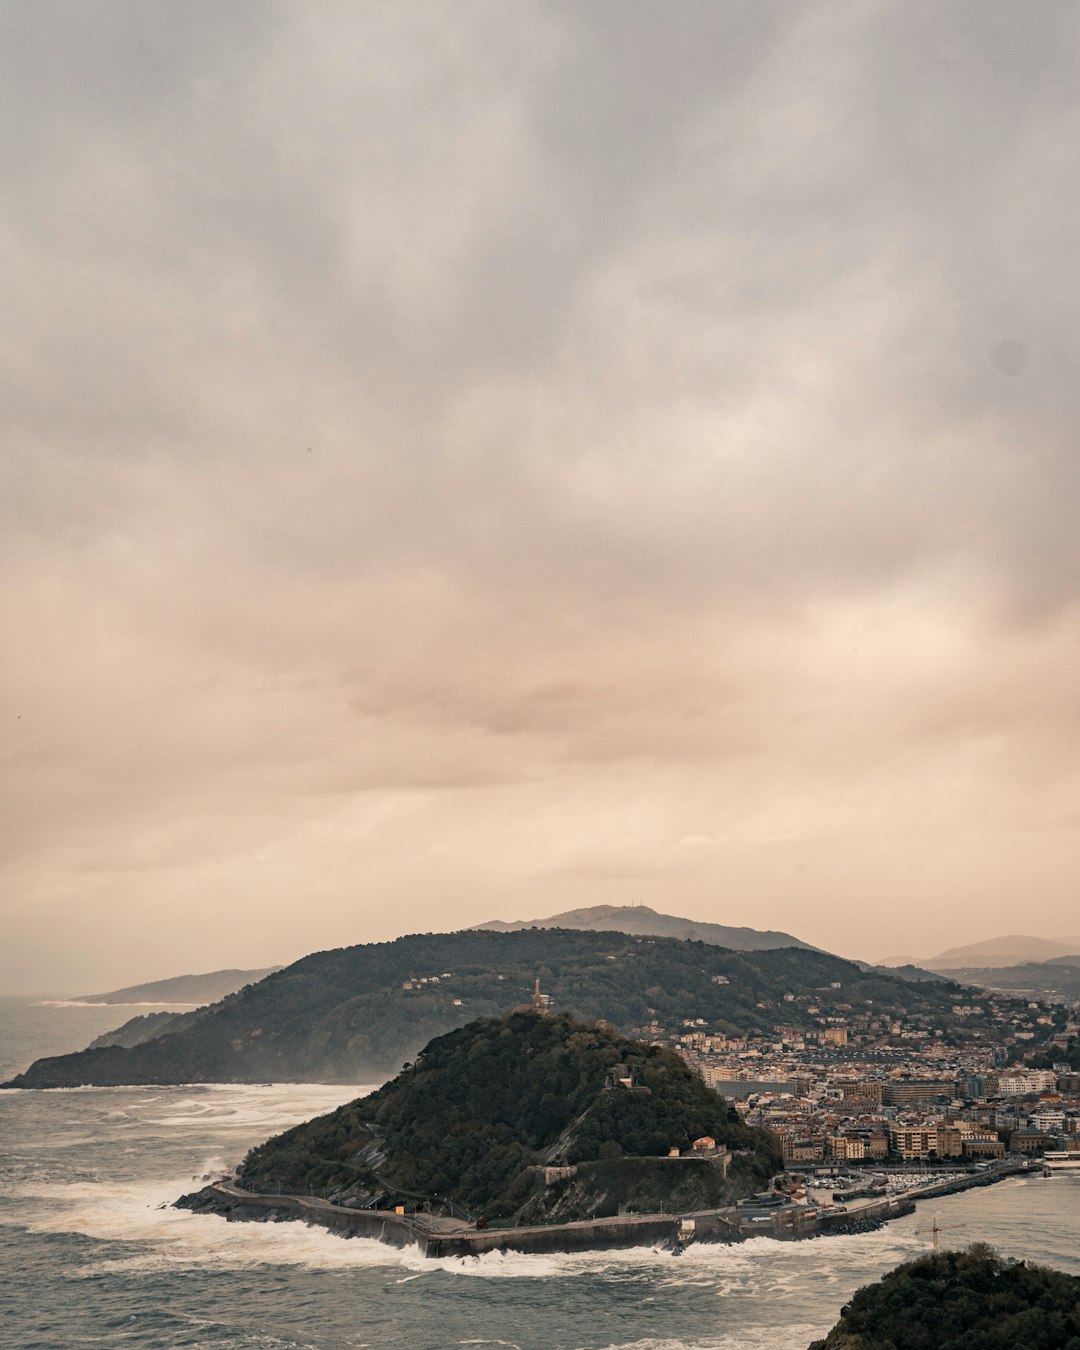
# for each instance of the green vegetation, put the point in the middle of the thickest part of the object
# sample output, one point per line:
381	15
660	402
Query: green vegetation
1067	1054
1056	979
145	1027
482	1107
962	1301
355	1014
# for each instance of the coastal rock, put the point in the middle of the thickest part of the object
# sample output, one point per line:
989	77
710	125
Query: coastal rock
212	1201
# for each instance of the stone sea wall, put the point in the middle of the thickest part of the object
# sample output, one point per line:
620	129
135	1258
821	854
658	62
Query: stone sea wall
446	1237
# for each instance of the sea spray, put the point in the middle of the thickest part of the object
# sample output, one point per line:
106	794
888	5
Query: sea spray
87	1177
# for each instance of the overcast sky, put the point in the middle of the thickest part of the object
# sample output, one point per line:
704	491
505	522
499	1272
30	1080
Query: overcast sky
478	459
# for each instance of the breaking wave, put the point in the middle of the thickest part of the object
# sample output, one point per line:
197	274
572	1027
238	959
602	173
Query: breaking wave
88	1177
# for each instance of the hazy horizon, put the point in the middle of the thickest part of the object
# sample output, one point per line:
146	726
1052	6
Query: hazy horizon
482	461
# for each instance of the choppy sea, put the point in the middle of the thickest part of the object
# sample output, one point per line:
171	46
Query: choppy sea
91	1254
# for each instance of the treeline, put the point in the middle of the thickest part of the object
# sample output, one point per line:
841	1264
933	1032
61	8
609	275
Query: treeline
484	1104
1047	1059
962	1301
345	1016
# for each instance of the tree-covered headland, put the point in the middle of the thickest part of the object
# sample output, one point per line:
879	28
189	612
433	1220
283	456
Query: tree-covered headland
480	1113
968	1300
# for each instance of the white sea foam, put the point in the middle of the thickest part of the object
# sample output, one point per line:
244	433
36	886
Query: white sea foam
248	1105
788	1337
196	1130
513	1345
141	1214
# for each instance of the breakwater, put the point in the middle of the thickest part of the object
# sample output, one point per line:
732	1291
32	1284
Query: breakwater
433	1235
437	1236
966	1183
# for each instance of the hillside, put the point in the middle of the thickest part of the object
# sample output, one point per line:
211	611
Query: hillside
195	989
354	1014
962	1300
1001	951
483	1107
1055	979
646	922
915	974
145	1027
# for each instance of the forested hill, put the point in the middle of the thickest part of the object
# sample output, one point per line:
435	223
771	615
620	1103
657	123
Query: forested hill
482	1107
354	1014
967	1300
1057	979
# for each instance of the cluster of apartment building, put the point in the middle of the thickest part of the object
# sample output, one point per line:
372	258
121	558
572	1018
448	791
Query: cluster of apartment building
856	1087
904	1119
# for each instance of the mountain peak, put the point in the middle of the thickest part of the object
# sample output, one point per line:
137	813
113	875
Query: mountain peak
642	920
1012	950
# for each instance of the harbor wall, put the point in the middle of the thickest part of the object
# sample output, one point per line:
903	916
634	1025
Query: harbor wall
444	1238
403	1230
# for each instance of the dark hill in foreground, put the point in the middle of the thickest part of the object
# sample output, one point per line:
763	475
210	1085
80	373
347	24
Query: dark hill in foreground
484	1109
962	1301
354	1014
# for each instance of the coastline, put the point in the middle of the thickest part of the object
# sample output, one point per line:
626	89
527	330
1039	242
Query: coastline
439	1237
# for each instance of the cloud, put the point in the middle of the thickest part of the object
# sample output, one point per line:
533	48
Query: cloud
551	433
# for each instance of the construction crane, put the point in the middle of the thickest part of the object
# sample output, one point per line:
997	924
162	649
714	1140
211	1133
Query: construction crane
935	1230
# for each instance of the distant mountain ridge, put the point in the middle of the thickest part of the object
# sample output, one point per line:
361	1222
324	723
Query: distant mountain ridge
641	920
998	952
908	971
197	989
1055	979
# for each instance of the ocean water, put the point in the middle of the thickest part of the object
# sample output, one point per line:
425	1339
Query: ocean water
91	1254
